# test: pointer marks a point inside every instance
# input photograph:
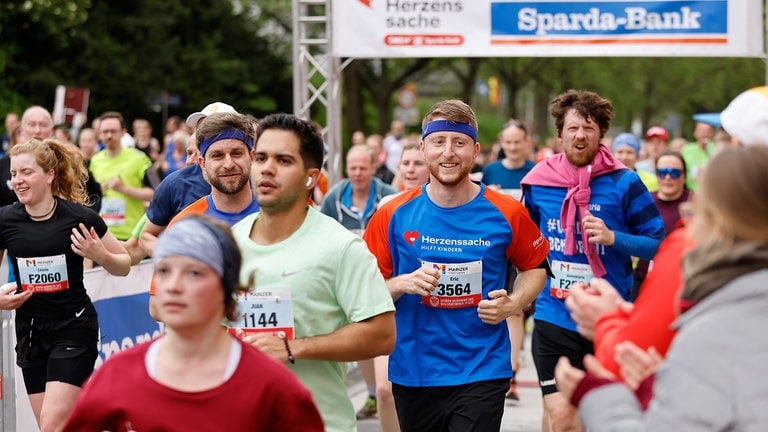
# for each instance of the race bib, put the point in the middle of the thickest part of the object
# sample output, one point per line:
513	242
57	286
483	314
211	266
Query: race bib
460	285
113	211
43	274
267	310
566	274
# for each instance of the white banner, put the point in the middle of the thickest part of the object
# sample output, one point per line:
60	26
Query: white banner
516	28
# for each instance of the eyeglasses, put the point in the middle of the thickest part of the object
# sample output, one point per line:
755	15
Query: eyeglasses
675	173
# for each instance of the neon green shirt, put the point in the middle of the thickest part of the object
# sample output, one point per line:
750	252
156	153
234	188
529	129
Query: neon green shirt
119	211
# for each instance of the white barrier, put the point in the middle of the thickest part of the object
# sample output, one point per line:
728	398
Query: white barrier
124	321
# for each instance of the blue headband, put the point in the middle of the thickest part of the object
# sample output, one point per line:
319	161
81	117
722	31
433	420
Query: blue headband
449	126
226	134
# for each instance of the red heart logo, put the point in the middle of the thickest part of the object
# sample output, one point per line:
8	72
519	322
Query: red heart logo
411	236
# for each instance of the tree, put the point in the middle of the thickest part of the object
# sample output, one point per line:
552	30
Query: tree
30	32
129	52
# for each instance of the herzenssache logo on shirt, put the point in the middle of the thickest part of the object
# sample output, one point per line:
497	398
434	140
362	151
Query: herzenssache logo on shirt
411	237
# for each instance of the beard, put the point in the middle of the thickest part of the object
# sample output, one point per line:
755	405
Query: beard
583	158
449	179
229	188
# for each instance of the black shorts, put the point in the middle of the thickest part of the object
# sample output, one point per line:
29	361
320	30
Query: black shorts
475	407
549	343
56	350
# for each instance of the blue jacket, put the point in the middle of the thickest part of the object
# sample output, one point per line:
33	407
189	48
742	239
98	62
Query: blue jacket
334	206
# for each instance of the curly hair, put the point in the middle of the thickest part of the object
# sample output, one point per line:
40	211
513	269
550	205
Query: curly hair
65	160
589	105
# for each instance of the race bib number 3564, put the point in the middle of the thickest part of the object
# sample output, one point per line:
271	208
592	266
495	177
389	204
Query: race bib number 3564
460	285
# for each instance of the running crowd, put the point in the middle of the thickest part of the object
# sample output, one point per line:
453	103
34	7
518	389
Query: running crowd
642	261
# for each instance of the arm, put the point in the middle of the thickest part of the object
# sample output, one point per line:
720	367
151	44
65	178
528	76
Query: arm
587	303
132	244
642	245
354	341
148	237
649	323
421	282
143	193
134	250
9	300
500	305
107	250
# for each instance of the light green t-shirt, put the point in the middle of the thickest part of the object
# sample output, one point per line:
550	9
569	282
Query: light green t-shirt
119	211
334	280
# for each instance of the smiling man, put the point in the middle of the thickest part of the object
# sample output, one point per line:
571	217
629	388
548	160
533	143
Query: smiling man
444	248
596	214
225	141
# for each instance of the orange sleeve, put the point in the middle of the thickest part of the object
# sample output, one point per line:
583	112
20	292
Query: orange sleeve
198	207
649	324
528	248
376	238
376	234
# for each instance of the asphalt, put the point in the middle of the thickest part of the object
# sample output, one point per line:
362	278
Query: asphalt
519	416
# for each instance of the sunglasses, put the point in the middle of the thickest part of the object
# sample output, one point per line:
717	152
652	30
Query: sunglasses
675	173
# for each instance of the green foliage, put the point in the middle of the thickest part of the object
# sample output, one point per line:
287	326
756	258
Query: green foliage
130	52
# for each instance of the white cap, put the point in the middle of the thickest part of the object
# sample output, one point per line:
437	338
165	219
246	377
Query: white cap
216	107
746	117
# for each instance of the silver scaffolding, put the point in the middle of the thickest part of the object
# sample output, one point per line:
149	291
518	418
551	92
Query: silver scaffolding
317	76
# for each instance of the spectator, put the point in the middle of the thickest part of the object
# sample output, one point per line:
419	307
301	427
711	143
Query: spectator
707	381
125	177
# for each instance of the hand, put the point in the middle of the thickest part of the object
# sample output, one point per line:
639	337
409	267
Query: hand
87	243
596	230
568	377
9	300
498	307
587	303
422	282
115	183
270	345
635	364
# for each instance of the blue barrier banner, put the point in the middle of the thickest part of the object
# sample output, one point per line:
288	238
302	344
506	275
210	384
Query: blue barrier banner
547	28
124	322
123	307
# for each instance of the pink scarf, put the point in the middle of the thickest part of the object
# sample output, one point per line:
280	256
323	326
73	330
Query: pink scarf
556	171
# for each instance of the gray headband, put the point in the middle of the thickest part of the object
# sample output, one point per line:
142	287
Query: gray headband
191	238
